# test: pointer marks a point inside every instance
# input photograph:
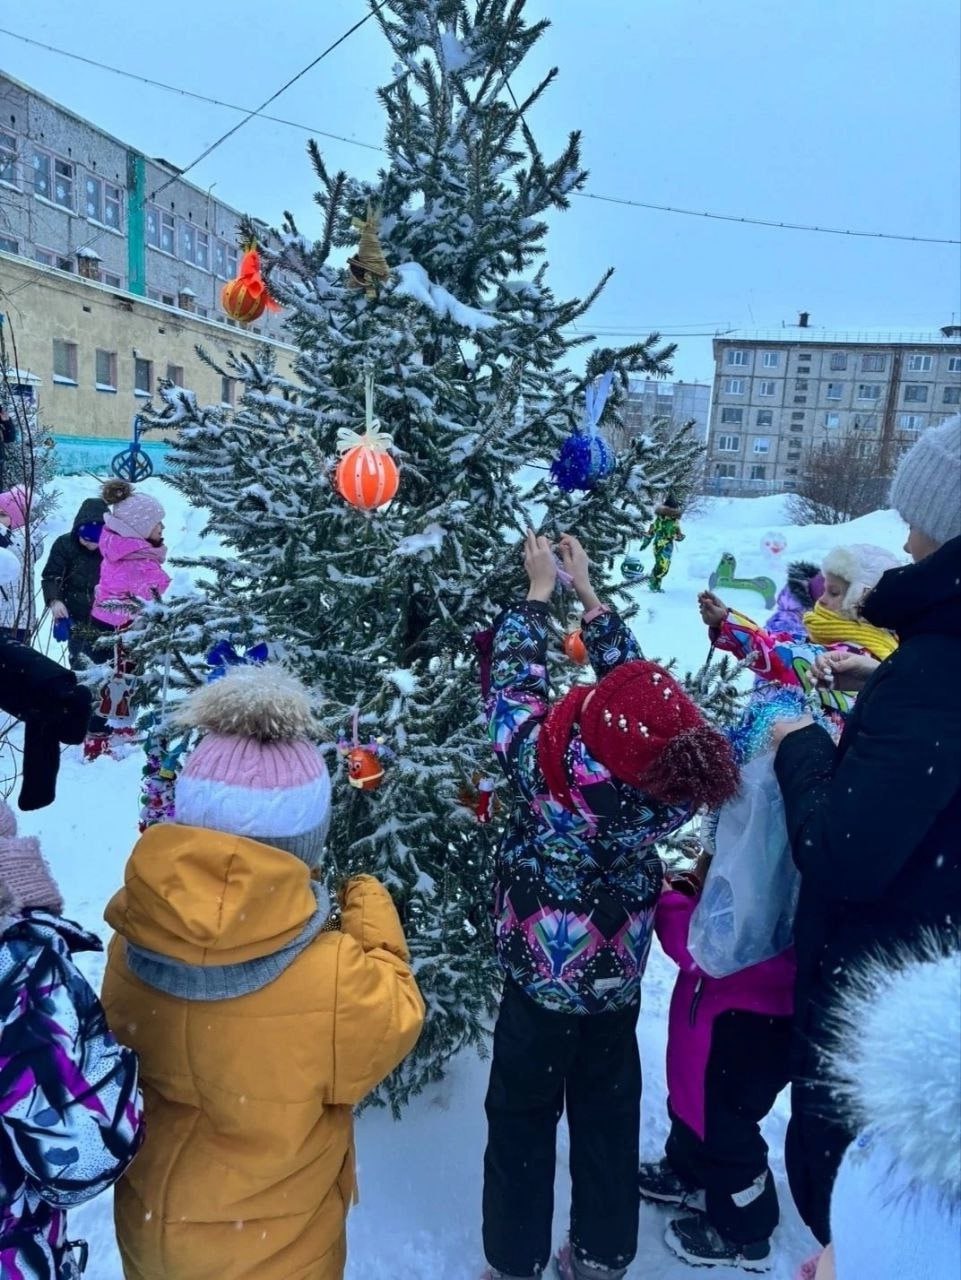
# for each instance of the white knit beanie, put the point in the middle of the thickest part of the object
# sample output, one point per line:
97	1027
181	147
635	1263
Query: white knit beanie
861	566
926	491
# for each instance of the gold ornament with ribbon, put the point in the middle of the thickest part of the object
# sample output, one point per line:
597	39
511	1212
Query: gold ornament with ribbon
367	476
368	268
245	298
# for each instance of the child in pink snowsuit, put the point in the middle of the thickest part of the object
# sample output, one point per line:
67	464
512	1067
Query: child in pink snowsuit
133	553
727	1060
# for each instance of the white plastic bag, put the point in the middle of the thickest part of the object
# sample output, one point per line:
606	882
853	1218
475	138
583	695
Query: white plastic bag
746	910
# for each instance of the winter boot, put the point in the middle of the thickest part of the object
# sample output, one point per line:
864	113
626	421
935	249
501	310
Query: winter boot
662	1184
569	1267
696	1241
491	1274
95	745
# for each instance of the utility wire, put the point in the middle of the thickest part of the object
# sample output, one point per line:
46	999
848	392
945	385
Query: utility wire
780	225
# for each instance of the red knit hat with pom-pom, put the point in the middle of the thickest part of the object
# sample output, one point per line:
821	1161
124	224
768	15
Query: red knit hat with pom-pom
640	724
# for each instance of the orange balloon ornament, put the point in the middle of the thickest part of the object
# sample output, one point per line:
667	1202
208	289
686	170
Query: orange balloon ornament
575	648
367	476
245	298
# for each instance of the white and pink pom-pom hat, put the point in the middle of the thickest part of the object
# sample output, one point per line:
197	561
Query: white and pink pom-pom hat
256	773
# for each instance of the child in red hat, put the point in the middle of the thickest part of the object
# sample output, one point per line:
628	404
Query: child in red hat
598	778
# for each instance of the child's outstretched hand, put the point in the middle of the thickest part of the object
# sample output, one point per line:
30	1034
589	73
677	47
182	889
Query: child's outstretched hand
713	609
540	566
574	559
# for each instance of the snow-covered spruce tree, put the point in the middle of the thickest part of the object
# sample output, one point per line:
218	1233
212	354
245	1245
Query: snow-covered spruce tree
470	355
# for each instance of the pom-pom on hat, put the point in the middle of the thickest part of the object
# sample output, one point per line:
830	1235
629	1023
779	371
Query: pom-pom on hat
25	879
256	773
132	514
861	566
15	504
641	725
927	483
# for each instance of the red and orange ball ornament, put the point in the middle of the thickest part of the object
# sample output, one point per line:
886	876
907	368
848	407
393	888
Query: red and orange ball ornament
367	476
245	298
574	648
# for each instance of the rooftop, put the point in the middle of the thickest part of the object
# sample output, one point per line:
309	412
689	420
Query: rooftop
810	337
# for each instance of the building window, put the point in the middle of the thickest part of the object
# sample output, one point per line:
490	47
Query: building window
64	361
797	415
954	364
726	471
832	420
8	159
952	395
50	259
915	393
762	444
771	360
797	426
8	245
102	202
733	386
737	357
919	364
758	472
106	370
800	384
765	417
834	391
161	229
874	364
42	173
225	260
142	376
175	374
111	280
868	423
839	360
202	250
800	399
767	387
869	391
63	183
227	391
728	444
187	242
732	416
911	421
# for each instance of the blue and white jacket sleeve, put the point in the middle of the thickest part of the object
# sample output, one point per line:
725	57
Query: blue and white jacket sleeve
69	1102
609	643
519	691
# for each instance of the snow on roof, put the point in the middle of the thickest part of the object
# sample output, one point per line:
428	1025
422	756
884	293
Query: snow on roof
807	337
86	252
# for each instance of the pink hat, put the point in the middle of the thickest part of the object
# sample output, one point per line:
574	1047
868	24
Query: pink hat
15	504
132	514
25	879
256	773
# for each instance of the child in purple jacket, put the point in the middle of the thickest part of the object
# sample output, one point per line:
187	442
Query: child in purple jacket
727	1060
71	1115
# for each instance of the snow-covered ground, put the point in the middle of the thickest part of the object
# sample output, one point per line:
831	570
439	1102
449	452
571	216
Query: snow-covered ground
420	1179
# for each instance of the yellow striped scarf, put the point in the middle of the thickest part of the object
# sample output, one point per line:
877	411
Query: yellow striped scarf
825	627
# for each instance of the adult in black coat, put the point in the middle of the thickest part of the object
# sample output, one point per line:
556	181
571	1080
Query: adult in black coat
875	823
70	577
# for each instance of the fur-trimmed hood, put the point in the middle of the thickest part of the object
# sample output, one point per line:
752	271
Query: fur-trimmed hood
897	1064
861	566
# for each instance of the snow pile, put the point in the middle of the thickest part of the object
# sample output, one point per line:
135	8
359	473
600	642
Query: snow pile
414	282
420	1179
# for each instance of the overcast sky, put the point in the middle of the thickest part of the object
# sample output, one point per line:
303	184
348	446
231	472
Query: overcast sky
843	113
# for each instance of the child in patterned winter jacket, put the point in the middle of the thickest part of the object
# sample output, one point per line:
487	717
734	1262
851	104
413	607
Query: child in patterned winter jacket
833	626
598	777
70	1110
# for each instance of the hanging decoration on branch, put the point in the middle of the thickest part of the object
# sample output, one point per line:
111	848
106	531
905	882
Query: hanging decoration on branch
480	797
367	476
159	774
245	298
223	656
368	268
574	648
365	768
585	457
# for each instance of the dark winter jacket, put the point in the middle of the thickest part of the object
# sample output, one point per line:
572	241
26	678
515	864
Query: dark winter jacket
72	571
576	891
875	824
70	1111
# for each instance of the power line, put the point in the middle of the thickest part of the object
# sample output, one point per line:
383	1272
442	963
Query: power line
776	224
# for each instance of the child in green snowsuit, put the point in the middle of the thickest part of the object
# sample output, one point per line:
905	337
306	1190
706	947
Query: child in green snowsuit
664	532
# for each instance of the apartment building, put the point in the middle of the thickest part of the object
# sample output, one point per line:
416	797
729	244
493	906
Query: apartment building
779	393
111	267
651	398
